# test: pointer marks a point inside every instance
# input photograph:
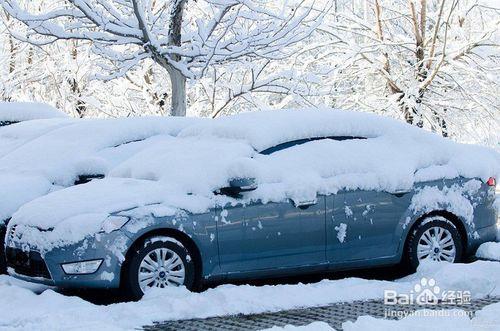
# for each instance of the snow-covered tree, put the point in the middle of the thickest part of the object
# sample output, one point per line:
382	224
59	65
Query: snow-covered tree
183	37
433	63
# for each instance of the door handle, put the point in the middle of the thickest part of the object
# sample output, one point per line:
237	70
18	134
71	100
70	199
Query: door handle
400	193
305	204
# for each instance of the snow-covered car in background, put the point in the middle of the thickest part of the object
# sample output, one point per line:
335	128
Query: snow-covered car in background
45	155
258	195
15	112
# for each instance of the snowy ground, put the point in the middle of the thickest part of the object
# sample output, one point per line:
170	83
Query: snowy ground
25	306
28	307
423	320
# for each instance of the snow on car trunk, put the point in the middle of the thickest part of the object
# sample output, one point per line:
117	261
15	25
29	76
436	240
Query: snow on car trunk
205	156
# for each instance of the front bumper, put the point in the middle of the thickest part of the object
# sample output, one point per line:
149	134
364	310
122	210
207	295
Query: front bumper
28	264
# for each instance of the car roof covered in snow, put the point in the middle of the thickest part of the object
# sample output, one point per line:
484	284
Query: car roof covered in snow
265	129
24	111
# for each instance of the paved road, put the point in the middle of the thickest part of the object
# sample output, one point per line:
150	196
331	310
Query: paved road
334	314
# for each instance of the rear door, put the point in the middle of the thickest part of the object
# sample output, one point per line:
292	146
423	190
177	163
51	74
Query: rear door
363	225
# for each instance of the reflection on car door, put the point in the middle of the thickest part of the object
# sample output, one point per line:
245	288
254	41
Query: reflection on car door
369	220
272	235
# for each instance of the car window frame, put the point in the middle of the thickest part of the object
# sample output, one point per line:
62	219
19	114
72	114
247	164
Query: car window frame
292	143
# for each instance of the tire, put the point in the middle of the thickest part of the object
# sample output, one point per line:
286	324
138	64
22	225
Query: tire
3	262
169	248
425	232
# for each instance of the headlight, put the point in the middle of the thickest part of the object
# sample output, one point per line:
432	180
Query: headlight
113	223
82	268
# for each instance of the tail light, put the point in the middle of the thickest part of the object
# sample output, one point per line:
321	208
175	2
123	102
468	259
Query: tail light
491	181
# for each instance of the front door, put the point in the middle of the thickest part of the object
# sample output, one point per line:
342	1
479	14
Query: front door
272	235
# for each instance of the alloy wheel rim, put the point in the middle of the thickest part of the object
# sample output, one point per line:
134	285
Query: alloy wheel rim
161	267
436	244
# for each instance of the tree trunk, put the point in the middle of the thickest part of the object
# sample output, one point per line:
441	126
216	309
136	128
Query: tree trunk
178	82
177	79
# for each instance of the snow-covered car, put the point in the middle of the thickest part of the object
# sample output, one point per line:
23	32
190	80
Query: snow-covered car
45	155
258	195
15	112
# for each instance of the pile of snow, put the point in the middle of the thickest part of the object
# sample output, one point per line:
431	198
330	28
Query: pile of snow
24	111
485	319
16	135
182	172
21	308
45	155
489	251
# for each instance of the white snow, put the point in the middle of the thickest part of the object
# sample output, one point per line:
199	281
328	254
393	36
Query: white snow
40	156
314	326
341	231
487	318
182	172
489	251
22	309
457	199
24	111
15	135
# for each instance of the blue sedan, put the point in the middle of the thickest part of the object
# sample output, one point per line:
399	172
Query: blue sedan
240	238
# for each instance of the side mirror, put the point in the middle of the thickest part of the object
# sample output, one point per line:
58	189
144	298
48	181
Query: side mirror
239	185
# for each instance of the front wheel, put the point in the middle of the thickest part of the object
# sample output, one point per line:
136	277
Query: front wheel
161	262
435	239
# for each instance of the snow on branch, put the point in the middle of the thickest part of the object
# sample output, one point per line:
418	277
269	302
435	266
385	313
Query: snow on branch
183	37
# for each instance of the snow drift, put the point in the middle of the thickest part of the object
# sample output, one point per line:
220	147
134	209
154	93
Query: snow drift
21	309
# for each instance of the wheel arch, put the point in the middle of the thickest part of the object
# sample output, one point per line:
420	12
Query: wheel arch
454	219
178	235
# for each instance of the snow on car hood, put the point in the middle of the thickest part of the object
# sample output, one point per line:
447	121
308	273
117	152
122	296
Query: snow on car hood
68	216
182	172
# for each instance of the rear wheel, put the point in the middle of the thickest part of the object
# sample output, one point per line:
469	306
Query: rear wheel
161	262
435	239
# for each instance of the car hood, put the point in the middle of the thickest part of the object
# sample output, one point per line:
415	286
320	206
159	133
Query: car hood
69	215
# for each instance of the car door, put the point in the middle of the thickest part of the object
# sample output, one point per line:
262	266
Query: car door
362	225
271	236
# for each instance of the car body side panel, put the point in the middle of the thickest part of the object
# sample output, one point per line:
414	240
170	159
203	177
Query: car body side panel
201	228
276	239
482	229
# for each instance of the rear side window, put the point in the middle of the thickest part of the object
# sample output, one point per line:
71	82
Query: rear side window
289	144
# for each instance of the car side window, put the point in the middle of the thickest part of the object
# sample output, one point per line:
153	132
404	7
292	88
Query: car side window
289	144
